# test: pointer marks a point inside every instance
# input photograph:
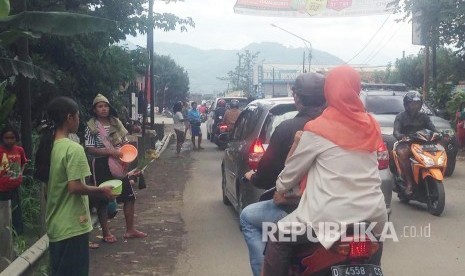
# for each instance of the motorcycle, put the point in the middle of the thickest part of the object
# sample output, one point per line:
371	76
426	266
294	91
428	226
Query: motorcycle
355	255
221	134
429	164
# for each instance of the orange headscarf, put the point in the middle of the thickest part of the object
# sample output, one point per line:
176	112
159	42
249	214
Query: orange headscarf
345	121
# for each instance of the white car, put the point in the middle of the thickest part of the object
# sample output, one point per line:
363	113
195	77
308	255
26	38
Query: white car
211	112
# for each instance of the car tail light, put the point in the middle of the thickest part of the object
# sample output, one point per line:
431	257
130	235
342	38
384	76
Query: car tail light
357	250
256	152
383	157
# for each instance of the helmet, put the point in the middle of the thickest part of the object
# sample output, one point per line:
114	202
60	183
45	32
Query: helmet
234	103
221	103
412	96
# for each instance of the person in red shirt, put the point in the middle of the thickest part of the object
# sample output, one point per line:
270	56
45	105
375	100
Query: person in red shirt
12	161
203	108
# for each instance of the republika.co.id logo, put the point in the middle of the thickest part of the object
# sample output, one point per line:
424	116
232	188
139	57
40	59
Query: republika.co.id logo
332	231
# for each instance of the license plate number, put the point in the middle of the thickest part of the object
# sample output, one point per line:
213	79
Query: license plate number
429	148
356	270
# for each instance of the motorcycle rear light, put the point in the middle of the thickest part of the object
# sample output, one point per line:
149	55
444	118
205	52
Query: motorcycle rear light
256	152
383	157
223	128
357	250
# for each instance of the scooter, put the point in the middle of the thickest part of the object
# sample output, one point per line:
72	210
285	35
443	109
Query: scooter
355	255
220	135
429	164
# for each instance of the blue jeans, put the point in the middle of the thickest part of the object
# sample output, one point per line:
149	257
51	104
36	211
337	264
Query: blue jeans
251	220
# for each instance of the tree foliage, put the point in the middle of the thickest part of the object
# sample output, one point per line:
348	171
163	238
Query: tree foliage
171	81
241	77
87	64
442	20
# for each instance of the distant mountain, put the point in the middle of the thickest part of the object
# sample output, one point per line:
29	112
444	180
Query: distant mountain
204	66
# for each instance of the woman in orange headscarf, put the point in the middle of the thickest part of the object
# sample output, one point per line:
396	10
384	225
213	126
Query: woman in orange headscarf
337	154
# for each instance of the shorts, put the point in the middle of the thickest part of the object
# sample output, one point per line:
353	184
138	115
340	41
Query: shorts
179	136
195	131
103	174
70	256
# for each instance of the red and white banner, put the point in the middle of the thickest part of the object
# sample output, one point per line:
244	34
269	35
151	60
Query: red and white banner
313	8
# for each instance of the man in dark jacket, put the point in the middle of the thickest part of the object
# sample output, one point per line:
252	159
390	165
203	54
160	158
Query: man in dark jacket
309	100
409	122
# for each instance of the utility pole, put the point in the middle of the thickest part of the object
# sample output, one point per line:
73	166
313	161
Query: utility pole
239	70
426	73
273	82
24	92
303	63
151	62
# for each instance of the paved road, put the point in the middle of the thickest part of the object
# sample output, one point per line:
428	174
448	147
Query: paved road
214	244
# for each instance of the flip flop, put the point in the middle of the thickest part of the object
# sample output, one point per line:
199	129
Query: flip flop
93	245
109	239
137	234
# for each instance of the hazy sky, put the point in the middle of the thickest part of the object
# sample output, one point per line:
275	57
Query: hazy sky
218	27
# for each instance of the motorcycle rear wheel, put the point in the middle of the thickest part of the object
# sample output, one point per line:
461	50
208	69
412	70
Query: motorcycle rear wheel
437	198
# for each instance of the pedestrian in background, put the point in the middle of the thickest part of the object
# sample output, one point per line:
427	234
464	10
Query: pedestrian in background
460	125
179	127
105	120
12	162
185	112
62	164
194	121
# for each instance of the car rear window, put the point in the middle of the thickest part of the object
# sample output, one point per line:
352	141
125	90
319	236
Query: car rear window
385	104
393	104
274	118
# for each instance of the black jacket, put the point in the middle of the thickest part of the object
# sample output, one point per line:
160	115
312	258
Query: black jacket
406	124
272	162
218	116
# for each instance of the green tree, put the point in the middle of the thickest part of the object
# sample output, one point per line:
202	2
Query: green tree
171	82
241	77
441	20
409	70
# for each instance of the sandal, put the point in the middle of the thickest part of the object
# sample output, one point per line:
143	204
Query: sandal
109	239
93	245
136	234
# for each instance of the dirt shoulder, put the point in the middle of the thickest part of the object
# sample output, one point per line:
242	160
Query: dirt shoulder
158	214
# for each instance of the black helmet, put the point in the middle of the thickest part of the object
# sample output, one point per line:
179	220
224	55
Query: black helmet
412	96
234	103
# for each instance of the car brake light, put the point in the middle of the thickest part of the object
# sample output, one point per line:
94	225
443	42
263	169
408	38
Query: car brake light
256	152
383	157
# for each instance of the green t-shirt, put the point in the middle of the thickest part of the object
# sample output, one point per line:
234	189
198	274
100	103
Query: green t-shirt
67	215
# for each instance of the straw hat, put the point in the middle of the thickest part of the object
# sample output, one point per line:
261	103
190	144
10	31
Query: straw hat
100	98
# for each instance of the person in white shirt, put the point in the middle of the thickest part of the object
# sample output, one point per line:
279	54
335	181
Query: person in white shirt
179	126
337	153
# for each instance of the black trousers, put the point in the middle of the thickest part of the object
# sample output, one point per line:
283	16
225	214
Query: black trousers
70	257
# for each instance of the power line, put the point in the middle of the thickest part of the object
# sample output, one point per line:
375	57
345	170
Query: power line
381	42
387	42
366	45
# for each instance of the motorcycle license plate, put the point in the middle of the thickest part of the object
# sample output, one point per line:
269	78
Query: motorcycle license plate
356	270
429	148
